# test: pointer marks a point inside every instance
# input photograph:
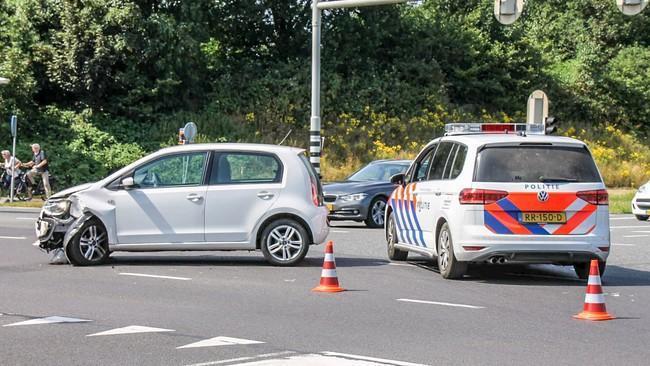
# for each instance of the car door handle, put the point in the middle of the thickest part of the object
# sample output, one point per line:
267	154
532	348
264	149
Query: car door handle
265	195
194	197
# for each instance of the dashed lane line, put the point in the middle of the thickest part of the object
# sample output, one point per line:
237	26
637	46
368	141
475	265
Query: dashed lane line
26	218
13	237
627	227
155	276
442	304
635	236
339	231
623	245
48	320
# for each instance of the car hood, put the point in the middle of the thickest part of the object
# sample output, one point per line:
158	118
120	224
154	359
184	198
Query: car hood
67	192
347	187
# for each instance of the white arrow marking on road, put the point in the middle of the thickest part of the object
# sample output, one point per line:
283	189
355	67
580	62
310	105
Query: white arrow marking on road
372	359
154	276
219	341
442	303
48	320
131	329
265	355
13	237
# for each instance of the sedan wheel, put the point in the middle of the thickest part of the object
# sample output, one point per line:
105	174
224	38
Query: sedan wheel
90	245
284	242
376	213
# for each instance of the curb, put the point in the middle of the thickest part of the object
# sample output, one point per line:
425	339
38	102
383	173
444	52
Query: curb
19	209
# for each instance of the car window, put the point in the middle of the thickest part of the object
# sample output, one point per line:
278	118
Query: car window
450	161
245	168
459	161
378	172
536	164
440	160
422	167
172	171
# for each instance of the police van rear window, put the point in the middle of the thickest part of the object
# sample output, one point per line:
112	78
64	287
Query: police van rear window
536	164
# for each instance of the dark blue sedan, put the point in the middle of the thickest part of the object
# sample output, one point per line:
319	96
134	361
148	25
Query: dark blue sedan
363	196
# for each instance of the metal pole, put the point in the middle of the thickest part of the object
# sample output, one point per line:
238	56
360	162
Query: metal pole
314	133
13	165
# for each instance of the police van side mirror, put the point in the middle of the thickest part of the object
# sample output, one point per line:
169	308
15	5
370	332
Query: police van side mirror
397	179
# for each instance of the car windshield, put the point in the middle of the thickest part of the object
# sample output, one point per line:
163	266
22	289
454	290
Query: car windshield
536	164
378	172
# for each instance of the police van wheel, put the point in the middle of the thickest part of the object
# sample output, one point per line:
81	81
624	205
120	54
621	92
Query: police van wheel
582	269
449	267
394	254
641	217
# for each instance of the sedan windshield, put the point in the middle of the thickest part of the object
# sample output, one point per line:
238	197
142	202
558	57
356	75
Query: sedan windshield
378	172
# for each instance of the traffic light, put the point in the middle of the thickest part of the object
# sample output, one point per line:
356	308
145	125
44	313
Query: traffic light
508	7
632	2
550	125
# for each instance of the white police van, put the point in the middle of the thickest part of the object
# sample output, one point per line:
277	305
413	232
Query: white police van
497	194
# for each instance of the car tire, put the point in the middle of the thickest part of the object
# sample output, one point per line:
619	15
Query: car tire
582	269
394	254
642	217
90	245
449	266
284	242
376	212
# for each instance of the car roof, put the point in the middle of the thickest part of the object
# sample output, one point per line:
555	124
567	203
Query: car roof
479	139
233	146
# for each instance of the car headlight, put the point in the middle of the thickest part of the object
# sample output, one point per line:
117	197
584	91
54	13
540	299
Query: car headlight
56	208
353	197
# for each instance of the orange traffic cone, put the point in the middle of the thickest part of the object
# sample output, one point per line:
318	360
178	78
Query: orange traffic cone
594	308
329	282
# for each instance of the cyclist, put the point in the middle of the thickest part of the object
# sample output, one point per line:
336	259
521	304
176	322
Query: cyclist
9	161
39	165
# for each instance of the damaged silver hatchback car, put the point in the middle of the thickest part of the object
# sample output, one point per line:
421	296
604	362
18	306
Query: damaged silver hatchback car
193	197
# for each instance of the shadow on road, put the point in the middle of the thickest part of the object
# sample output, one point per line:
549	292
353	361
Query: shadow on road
224	261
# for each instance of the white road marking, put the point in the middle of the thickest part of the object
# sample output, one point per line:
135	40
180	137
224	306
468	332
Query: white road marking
623	245
219	341
626	227
26	218
48	320
13	237
442	303
635	236
154	276
131	329
623	218
339	231
397	264
642	232
381	360
265	355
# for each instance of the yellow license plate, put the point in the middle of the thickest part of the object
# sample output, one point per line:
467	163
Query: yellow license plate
543	217
330	207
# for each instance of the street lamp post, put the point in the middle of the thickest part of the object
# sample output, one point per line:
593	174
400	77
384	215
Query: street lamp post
14	126
317	8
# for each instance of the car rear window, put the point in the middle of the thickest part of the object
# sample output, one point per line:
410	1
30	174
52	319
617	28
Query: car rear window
536	164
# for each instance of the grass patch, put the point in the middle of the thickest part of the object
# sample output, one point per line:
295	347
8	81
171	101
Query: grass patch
620	200
29	204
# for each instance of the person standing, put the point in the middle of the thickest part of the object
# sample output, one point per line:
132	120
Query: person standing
39	165
10	161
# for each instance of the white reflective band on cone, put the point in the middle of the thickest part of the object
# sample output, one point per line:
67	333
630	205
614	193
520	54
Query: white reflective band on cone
329	257
594	280
328	273
594	298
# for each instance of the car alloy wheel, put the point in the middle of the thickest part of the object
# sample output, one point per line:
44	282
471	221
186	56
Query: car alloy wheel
285	243
444	251
376	213
391	238
92	243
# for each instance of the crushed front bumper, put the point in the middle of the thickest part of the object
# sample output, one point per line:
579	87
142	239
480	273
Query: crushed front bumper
50	231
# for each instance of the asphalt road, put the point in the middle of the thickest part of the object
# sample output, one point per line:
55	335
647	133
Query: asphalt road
499	315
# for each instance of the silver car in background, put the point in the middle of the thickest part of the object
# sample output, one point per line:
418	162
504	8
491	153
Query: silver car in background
193	197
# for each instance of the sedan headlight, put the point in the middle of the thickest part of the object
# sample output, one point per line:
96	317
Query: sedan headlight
56	208
353	197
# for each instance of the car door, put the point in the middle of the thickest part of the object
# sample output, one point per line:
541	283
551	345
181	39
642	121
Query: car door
167	202
406	200
243	187
430	192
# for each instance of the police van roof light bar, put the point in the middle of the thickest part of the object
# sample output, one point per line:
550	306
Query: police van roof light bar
484	128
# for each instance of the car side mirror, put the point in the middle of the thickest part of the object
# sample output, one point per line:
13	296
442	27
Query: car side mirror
397	179
128	183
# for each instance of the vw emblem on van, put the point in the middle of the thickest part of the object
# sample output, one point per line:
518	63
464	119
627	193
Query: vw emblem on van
542	196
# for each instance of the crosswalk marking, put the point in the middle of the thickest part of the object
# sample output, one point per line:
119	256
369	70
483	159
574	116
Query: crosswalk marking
219	341
48	320
131	329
